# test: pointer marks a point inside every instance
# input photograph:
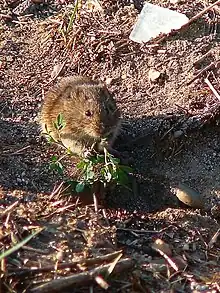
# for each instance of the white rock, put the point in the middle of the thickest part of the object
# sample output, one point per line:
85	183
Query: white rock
155	20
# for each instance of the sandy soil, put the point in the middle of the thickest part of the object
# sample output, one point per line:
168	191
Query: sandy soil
170	129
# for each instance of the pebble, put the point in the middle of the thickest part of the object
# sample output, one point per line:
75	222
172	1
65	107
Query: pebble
161	245
108	80
178	133
175	1
154	75
189	196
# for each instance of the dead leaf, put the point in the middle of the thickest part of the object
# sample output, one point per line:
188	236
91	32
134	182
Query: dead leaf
57	70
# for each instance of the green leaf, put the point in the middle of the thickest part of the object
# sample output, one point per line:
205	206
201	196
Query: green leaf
80	165
106	174
50	139
122	177
69	152
72	184
54	158
113	160
73	16
90	174
57	166
60	122
115	175
126	168
80	187
100	159
60	119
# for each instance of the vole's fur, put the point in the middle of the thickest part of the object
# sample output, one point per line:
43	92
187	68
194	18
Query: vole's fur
88	109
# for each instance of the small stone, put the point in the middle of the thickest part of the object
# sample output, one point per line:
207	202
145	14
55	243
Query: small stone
186	247
189	196
124	76
178	133
108	80
189	246
175	1
82	225
93	5
161	245
154	75
161	51
9	58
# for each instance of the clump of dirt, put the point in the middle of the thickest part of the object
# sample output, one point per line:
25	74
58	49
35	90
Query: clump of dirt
170	129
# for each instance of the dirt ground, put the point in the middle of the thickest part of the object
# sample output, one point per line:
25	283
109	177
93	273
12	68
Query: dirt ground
170	130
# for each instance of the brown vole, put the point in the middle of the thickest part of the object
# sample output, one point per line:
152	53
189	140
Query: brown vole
89	111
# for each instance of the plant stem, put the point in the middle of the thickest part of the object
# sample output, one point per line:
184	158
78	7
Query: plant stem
73	16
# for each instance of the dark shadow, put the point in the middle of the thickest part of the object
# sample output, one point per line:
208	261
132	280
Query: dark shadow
157	164
164	163
24	161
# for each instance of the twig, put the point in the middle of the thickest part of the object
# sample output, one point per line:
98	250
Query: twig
212	89
188	23
167	258
105	217
5	16
144	231
214	239
201	72
57	190
40	251
203	57
200	14
95	202
60	284
167	132
90	261
18	152
10	208
59	210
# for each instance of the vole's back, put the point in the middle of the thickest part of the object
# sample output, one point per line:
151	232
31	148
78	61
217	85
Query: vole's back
89	111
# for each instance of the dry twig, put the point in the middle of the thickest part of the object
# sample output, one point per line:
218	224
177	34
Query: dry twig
73	264
59	285
212	89
197	16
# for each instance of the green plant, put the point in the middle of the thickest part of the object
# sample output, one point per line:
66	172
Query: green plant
73	16
67	24
101	168
92	169
59	124
61	26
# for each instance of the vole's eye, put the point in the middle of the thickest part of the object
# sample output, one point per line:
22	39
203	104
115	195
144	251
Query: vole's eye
88	113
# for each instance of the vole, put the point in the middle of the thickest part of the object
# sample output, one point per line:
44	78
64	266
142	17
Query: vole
89	111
